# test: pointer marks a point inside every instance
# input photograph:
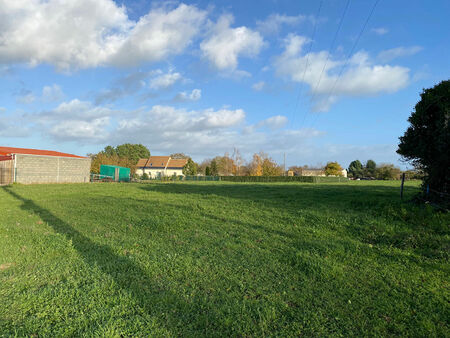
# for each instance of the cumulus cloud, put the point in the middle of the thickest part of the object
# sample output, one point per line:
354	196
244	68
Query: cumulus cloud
75	120
91	33
52	93
159	34
320	71
195	95
163	81
380	30
273	23
225	45
208	132
166	129
80	131
393	53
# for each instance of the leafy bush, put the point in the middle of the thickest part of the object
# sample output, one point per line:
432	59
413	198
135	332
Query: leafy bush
145	176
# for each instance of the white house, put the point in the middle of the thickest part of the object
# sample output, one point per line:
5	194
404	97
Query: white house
157	166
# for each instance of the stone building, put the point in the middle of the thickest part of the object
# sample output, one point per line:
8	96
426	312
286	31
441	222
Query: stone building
29	166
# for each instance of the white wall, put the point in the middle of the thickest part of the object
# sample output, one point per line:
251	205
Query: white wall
154	173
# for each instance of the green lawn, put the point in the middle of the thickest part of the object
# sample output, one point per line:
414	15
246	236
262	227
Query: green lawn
222	259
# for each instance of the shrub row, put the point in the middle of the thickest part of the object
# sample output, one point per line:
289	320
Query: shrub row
308	179
202	178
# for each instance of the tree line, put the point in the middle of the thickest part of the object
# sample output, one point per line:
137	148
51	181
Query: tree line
260	164
384	171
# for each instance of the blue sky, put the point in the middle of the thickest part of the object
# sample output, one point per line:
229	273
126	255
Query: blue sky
206	77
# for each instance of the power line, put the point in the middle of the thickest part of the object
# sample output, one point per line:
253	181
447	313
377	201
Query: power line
349	55
331	48
354	45
307	62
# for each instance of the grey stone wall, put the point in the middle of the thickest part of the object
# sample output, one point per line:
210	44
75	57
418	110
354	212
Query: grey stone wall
32	169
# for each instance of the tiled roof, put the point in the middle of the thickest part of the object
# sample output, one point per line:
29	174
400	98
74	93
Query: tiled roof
10	150
161	162
177	163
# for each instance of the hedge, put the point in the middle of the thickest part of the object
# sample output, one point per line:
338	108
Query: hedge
308	179
202	178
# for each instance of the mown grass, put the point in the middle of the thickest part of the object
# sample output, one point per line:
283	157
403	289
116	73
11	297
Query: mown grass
222	259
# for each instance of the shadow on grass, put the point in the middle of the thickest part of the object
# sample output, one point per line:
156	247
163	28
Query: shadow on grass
153	298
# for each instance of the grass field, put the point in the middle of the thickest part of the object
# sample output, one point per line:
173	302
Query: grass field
222	259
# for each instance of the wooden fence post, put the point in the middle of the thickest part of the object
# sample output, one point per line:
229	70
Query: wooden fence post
401	189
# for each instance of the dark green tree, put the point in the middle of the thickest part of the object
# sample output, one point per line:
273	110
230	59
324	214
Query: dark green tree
109	151
132	151
426	142
370	168
355	169
191	168
207	171
213	168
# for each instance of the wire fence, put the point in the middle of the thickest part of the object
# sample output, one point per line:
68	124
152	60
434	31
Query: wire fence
438	199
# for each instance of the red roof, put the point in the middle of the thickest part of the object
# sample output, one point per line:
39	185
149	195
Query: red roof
4	151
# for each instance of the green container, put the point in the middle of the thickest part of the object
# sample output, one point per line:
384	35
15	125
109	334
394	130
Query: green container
118	174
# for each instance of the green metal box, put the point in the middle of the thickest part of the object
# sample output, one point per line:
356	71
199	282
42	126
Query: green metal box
118	174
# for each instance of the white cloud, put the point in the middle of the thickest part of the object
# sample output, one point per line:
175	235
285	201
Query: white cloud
393	53
165	129
76	109
274	122
159	34
164	81
258	86
91	33
80	131
195	95
208	132
380	30
75	120
52	93
225	44
272	24
360	77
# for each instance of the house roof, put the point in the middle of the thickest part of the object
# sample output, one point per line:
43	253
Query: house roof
161	162
177	163
4	151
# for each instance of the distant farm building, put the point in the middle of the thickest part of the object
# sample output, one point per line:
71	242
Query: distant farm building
30	166
157	166
315	172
